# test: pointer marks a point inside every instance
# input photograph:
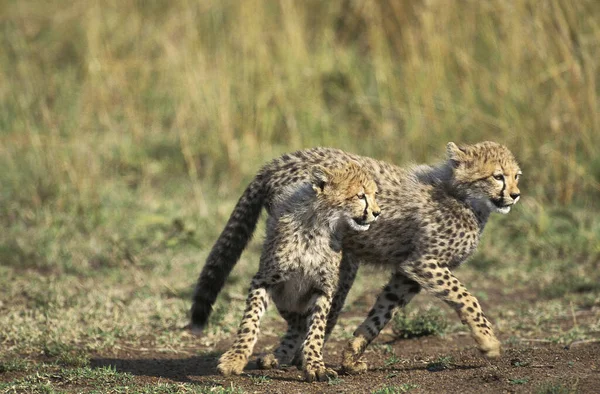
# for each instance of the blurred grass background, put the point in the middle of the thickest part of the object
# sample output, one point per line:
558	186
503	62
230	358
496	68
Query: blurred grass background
128	129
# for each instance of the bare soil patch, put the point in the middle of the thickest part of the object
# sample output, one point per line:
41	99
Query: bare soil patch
424	365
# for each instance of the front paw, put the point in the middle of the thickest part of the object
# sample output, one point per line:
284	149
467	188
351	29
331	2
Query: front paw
318	373
231	364
490	348
352	362
268	361
353	367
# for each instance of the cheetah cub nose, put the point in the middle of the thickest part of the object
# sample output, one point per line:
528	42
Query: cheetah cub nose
515	195
376	213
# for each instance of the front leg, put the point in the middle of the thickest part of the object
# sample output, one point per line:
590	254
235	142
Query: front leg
312	350
397	293
438	279
290	344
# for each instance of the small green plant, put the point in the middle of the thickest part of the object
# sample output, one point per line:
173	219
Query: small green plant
569	284
429	322
260	379
174	388
56	349
554	388
392	360
574	334
403	388
519	363
103	375
224	390
519	381
335	381
440	364
14	365
385	348
76	359
27	385
43	381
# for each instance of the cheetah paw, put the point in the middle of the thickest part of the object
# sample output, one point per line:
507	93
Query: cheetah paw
354	367
318	373
231	364
352	364
268	361
491	353
491	349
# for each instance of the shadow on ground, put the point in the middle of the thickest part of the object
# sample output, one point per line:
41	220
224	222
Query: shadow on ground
177	370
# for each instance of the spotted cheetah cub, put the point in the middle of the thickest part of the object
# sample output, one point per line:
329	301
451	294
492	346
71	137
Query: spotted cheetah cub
434	218
300	264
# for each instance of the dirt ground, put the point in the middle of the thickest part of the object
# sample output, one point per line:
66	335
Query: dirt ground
549	346
401	365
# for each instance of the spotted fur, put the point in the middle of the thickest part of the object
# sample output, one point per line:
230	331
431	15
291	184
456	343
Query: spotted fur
299	266
434	217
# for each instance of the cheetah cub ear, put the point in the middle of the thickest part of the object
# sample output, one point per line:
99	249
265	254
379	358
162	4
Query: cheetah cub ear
319	177
455	154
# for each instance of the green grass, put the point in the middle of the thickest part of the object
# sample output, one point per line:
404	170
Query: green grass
335	381
518	363
260	379
392	360
92	111
555	388
15	364
419	323
396	389
56	381
101	380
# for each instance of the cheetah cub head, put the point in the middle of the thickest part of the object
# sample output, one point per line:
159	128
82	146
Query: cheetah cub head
486	173
348	194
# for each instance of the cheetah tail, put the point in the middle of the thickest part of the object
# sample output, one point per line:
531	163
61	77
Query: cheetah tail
226	252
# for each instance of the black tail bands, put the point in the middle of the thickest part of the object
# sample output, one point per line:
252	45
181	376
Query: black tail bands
227	251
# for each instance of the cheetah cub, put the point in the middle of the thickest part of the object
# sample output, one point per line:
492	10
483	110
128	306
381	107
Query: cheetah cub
300	264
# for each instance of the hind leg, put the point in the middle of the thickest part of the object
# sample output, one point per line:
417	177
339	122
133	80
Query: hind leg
290	344
235	359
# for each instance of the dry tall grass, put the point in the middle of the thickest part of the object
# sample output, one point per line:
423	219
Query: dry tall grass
96	92
128	129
